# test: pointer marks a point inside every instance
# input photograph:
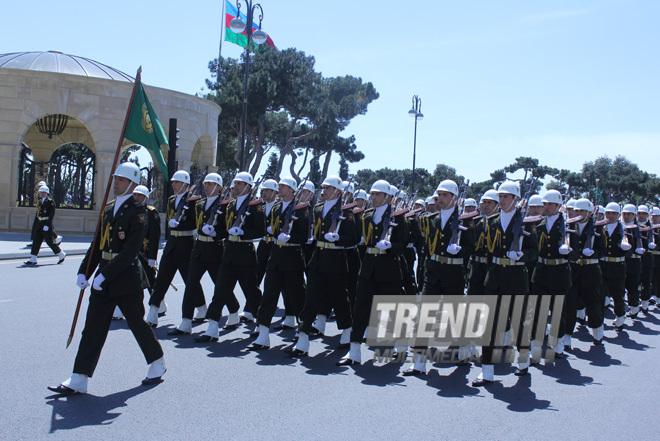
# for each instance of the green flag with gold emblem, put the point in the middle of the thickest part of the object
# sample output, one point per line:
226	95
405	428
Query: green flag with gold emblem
144	128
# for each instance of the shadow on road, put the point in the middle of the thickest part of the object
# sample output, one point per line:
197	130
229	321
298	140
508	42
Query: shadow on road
520	397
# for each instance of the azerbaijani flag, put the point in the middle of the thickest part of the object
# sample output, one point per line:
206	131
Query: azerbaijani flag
240	39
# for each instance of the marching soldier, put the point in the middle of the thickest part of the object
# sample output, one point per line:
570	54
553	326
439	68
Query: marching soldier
380	271
469	206
646	277
478	265
415	248
43	224
206	253
286	265
244	222
178	249
361	200
655	220
117	282
508	250
333	230
57	239
633	259
613	263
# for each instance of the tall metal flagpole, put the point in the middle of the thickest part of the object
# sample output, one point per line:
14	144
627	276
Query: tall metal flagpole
105	201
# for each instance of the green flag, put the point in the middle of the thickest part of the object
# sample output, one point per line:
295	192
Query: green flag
144	128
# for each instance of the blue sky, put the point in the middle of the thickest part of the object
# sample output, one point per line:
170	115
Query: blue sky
563	81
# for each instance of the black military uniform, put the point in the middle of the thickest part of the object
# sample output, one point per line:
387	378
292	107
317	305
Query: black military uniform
36	223
265	245
328	268
286	265
178	249
586	277
634	268
150	244
478	264
44	218
115	253
648	262
613	268
238	260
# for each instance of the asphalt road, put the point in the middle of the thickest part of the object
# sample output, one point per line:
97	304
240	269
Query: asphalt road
220	390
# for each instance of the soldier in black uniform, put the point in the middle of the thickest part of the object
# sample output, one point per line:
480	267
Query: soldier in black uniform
507	274
244	222
415	247
289	225
43	224
613	263
334	230
178	249
380	271
633	259
117	282
648	260
478	265
588	247
655	220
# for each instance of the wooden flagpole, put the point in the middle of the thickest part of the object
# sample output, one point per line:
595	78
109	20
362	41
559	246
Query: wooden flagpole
105	201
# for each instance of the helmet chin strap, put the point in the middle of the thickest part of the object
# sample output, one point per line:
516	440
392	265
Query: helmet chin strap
130	189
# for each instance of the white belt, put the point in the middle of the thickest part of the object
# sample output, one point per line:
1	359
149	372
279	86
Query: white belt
507	262
447	260
176	233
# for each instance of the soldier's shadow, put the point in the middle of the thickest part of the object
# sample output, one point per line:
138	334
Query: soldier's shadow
381	376
597	356
324	363
640	327
454	385
520	397
88	410
275	356
564	373
623	339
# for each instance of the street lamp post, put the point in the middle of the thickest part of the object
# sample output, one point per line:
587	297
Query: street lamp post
415	112
259	36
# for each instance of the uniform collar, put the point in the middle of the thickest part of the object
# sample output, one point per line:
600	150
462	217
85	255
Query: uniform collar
120	200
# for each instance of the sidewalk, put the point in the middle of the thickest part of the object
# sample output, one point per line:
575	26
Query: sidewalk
16	245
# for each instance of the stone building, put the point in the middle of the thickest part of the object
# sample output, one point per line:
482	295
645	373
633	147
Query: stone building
52	102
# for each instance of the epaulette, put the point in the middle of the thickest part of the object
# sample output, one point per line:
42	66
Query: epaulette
150	207
320	204
492	216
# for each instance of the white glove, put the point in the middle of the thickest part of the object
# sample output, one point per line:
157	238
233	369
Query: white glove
283	237
453	249
235	231
82	281
152	263
588	252
514	255
310	240
652	246
209	230
45	227
625	246
564	250
97	282
173	223
640	250
269	229
331	237
384	245
361	240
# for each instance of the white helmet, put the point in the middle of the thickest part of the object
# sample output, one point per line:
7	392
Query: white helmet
535	201
361	194
449	186
42	184
129	171
380	185
469	202
571	203
509	187
44	188
643	209
349	187
393	191
655	211
244	177
289	182
553	197
181	176
141	189
613	206
430	200
333	181
490	195
214	178
307	185
270	184
420	202
583	204
601	209
629	208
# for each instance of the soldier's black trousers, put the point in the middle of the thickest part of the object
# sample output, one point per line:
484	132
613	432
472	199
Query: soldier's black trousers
541	290
99	316
646	280
366	290
476	276
291	283
353	262
585	290
496	342
320	286
615	287
177	260
223	295
41	236
193	296
633	273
